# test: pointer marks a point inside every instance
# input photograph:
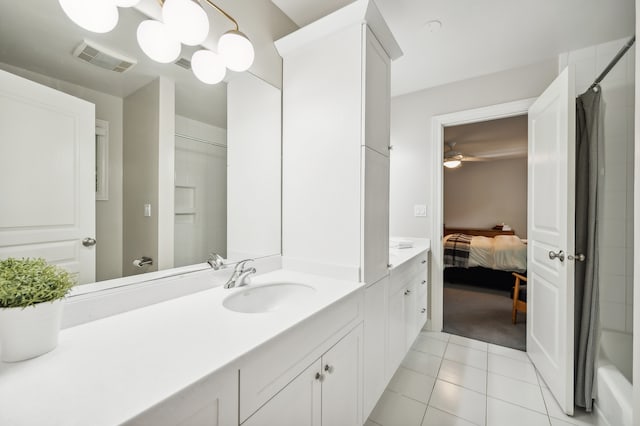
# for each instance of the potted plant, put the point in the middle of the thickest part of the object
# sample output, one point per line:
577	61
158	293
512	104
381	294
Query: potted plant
31	300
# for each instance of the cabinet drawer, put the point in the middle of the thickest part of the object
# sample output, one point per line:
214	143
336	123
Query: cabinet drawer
408	271
266	371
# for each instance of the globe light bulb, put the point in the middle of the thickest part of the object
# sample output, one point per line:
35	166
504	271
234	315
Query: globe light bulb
98	16
187	19
158	42
208	66
236	50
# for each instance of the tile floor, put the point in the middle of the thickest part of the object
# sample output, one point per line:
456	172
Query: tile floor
452	380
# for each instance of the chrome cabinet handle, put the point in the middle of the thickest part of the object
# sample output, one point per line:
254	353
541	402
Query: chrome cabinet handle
389	266
423	261
423	310
407	292
89	242
559	255
319	377
578	257
423	282
328	368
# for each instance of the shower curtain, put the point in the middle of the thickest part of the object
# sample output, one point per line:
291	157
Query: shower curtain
588	154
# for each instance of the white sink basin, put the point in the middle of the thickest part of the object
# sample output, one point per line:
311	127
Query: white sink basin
268	297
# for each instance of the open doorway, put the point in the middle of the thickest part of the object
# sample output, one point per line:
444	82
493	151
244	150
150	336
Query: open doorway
485	227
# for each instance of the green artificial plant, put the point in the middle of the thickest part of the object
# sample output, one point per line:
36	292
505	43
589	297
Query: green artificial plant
27	282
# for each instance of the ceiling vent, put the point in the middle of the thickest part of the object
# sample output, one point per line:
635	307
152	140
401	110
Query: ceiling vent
102	57
184	63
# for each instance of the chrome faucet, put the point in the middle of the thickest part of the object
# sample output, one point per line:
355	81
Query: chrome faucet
215	261
240	274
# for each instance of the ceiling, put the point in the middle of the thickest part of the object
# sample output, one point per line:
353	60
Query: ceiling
500	139
481	37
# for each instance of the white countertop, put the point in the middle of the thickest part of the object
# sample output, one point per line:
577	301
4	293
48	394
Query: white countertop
108	371
397	256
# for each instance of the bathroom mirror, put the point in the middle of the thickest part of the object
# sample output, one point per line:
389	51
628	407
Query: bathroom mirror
220	171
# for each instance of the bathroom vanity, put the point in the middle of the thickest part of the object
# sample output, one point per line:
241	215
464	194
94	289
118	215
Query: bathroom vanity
317	348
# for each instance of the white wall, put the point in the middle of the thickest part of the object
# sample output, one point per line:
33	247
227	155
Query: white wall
616	223
108	213
201	179
411	175
482	194
148	176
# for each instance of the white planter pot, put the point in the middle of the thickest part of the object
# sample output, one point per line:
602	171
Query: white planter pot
29	332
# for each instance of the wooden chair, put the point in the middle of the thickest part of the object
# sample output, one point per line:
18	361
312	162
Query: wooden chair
519	298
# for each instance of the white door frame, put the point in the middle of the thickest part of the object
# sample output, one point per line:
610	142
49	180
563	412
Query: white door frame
438	123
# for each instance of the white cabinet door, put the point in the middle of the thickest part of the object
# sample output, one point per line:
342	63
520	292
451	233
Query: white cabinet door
375	332
410	314
377	95
298	404
375	244
54	133
396	340
342	370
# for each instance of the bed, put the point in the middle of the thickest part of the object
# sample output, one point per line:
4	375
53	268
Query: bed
485	257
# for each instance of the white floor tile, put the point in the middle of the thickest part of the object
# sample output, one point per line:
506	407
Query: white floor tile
430	345
412	384
459	401
470	343
512	368
558	422
501	413
555	412
466	355
444	337
371	423
463	375
396	410
516	392
541	381
509	352
435	417
422	363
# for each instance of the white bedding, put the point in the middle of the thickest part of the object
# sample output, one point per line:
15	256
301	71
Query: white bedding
503	252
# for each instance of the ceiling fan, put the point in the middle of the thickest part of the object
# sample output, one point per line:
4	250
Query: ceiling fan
454	159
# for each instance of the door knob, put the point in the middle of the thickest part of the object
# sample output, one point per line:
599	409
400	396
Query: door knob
559	255
88	242
578	257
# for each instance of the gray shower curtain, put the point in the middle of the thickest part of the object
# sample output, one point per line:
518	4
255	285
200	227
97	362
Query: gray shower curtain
588	155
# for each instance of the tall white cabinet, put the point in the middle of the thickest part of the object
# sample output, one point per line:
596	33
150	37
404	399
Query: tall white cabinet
336	144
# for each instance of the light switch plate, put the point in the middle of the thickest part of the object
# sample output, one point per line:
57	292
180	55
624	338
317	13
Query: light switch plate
147	210
420	210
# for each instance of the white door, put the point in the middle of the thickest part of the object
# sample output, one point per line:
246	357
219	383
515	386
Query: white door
47	146
551	193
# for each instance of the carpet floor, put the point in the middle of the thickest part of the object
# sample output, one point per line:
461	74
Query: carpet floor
483	314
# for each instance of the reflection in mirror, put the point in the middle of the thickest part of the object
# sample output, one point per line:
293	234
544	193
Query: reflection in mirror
162	151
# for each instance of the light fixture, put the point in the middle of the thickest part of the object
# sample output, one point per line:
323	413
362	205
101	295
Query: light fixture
158	42
183	21
452	164
237	50
98	16
187	19
208	66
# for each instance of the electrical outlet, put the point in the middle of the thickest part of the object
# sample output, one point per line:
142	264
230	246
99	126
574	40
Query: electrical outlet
420	210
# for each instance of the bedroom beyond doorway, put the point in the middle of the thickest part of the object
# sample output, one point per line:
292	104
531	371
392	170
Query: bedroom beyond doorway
485	226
